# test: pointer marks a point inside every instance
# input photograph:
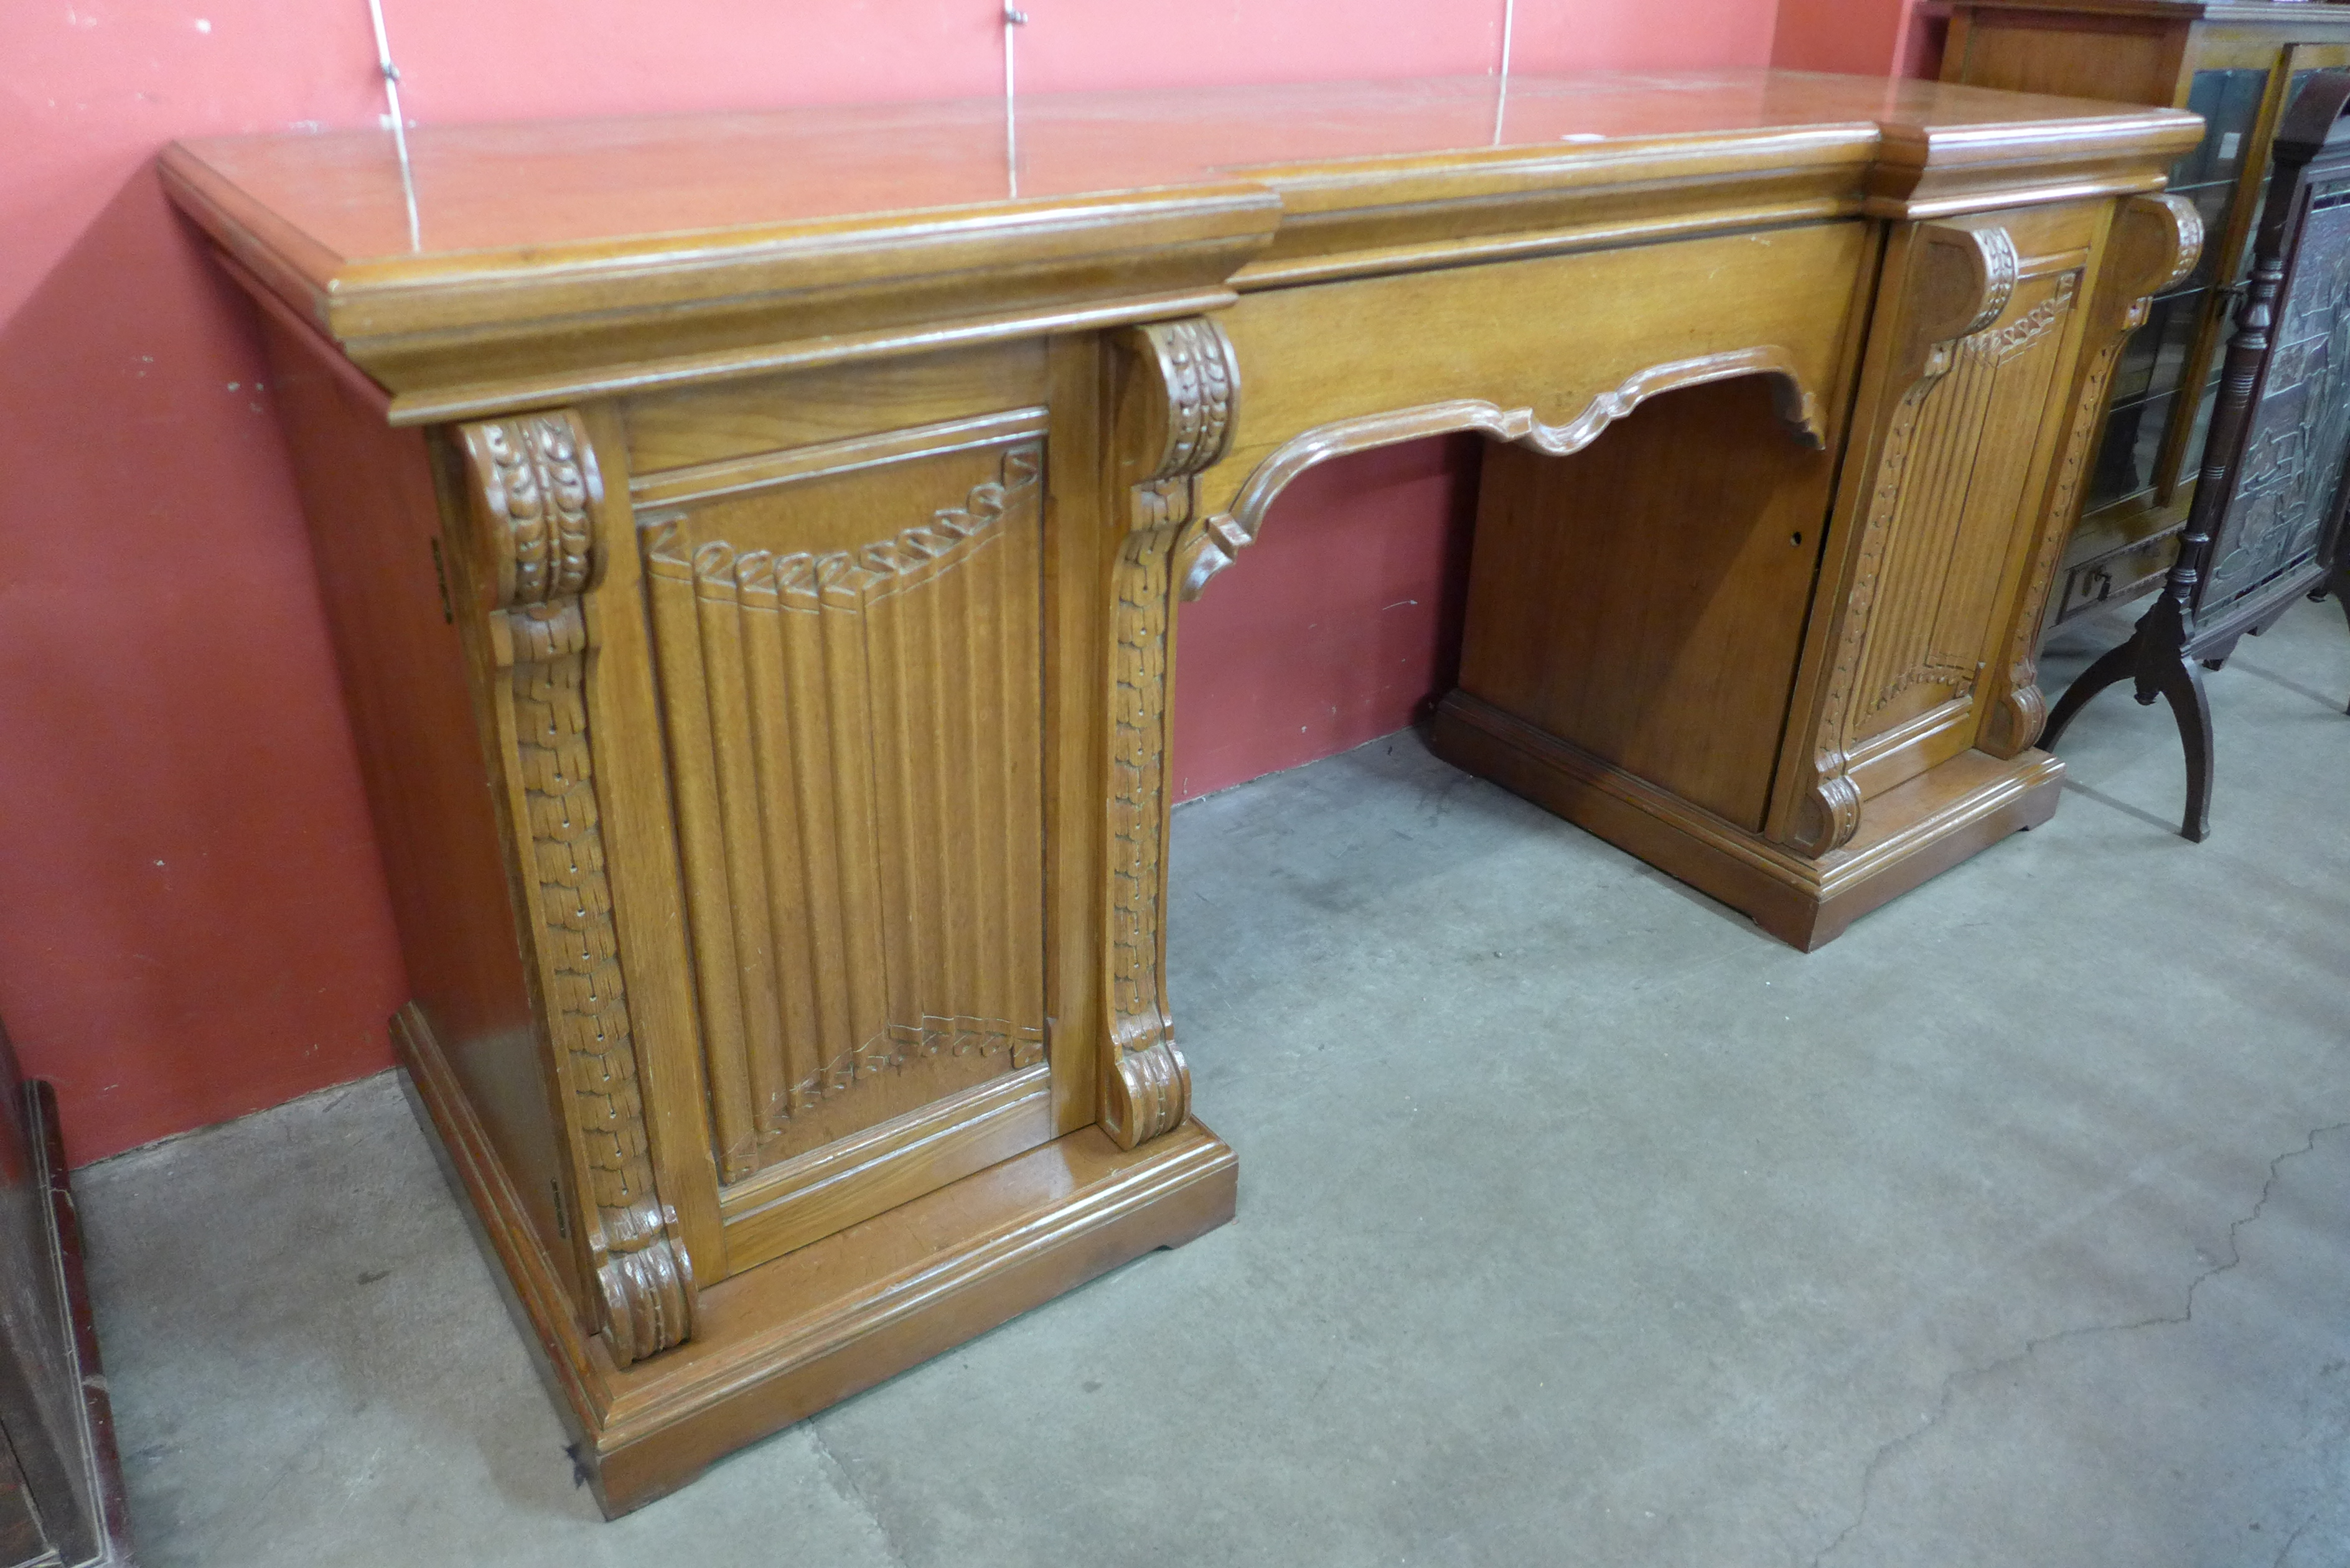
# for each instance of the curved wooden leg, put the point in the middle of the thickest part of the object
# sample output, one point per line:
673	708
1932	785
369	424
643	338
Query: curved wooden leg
2181	684
2117	664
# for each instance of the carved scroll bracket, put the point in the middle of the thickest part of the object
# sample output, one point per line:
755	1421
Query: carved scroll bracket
1178	399
536	493
1959	278
1212	546
1178	403
2156	242
534	480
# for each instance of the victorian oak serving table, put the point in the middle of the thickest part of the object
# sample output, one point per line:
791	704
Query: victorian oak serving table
751	545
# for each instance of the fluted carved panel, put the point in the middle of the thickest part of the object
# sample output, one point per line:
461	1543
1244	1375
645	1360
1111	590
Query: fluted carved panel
1951	497
852	735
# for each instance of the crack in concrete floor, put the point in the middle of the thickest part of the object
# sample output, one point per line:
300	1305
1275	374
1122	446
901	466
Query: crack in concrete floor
845	1485
1892	1448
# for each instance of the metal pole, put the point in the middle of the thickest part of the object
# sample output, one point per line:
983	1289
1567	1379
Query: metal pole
398	120
1013	18
1502	99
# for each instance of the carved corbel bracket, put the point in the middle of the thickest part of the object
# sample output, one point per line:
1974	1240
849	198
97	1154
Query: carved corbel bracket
1179	404
1959	278
536	494
1178	399
2156	242
1209	546
534	480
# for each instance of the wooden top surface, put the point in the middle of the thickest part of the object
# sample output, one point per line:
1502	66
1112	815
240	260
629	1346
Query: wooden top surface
1127	204
521	187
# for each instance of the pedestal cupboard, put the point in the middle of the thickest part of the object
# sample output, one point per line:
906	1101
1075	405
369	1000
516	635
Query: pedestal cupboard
752	545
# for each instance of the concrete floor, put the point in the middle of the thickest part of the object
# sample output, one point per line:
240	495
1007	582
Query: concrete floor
1580	1224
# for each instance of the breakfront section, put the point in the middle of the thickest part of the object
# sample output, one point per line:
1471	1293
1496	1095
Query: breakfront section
775	669
1992	354
1983	366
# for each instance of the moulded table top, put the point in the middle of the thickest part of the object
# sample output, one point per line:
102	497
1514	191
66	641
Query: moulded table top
524	187
515	263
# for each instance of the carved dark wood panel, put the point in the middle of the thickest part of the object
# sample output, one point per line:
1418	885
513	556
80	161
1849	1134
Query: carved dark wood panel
2287	483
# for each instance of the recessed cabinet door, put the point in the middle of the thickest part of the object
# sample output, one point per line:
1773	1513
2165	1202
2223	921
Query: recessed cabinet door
849	669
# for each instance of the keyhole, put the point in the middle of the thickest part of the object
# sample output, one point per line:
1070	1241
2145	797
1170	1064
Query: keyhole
1794	538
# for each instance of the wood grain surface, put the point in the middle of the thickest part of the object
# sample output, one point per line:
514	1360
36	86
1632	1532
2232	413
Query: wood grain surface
762	659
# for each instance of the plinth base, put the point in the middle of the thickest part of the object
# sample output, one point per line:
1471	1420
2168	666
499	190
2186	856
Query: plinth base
1908	834
782	1341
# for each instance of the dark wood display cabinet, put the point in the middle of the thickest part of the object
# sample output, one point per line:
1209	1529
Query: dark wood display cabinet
2239	67
2267	519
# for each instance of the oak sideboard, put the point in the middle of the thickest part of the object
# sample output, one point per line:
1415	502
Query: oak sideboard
753	545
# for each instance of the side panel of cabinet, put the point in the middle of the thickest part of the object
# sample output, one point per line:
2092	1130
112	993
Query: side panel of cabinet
385	570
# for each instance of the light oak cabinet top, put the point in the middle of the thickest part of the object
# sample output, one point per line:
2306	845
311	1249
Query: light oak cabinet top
556	259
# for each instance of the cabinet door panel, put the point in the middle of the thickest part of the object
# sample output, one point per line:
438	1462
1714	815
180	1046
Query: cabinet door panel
849	667
1966	465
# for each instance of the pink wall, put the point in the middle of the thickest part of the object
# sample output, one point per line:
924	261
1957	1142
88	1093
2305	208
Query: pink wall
195	923
1868	37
